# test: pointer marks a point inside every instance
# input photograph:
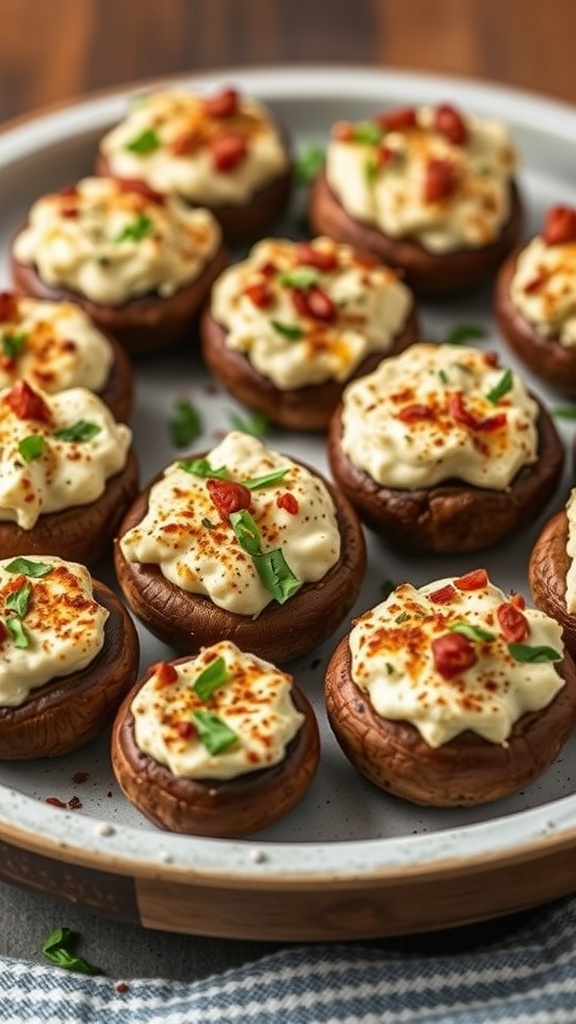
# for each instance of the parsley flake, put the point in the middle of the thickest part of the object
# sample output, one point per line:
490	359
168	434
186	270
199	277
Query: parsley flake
464	332
31	447
256	424
185	424
533	655
213	676
17	631
290	331
27	567
144	143
12	344
309	163
300	277
504	385
57	949
81	431
139	228
213	731
470	631
19	600
203	467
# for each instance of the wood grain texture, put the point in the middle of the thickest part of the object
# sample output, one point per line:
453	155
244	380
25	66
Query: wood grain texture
53	52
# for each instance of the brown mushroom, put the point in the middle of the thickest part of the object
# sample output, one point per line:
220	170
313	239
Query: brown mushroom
211	807
547	570
467	770
70	710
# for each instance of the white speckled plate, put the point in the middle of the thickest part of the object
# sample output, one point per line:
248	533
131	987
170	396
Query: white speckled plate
349	861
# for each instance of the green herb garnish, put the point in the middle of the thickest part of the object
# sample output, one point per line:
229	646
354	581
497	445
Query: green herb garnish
17	631
472	632
533	655
141	226
144	143
256	424
289	331
12	344
309	163
464	332
403	617
386	588
502	388
31	447
82	430
204	468
255	482
57	949
213	732
369	170
28	568
565	412
443	376
213	676
301	277
368	132
185	425
246	530
276	575
19	600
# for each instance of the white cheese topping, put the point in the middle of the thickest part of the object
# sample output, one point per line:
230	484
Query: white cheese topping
543	288
394	661
570	596
181	155
432	413
254	701
266	306
112	243
54	345
41	471
382	180
193	541
50	624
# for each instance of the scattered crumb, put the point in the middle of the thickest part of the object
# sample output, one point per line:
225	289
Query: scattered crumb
54	801
258	856
75	804
122	986
79	777
103	828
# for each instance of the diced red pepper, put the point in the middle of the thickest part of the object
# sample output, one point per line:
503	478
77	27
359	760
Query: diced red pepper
141	189
415	413
513	623
452	654
165	673
186	142
222	104
560	225
26	403
440	180
322	259
186	730
314	302
450	123
458	412
476	579
228	496
398	120
259	293
288	502
227	151
8	306
443	595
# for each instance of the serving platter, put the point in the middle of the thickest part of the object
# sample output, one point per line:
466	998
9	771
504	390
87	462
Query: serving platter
350	861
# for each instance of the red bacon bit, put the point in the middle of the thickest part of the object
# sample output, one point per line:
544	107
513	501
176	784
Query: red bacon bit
8	306
228	496
443	595
415	413
259	293
315	303
343	131
440	180
519	601
449	123
186	730
54	801
452	654
69	210
384	155
514	625
140	188
288	502
399	120
534	284
366	260
476	579
26	404
322	259
165	673
268	269
560	225
223	104
186	142
492	358
458	412
228	151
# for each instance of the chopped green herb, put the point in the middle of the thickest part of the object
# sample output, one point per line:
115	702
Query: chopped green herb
82	430
208	524
443	376
31	447
276	575
389	668
12	344
301	277
246	530
472	632
19	600
370	170
403	617
565	412
290	331
255	482
29	568
203	467
464	332
504	385
213	732
185	425
144	143
309	163
213	676
141	226
256	424
386	588
17	631
368	132
57	949
528	654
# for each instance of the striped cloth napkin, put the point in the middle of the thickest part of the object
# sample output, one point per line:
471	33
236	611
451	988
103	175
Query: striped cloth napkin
527	978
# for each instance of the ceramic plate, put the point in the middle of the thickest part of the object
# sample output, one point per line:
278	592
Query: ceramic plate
350	861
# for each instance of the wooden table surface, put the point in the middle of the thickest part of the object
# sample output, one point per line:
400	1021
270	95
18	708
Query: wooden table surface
54	50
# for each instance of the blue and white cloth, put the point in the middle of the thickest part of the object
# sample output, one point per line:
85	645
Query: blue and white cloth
527	978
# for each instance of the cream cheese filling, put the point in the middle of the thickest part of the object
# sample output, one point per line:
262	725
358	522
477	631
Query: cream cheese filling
543	288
